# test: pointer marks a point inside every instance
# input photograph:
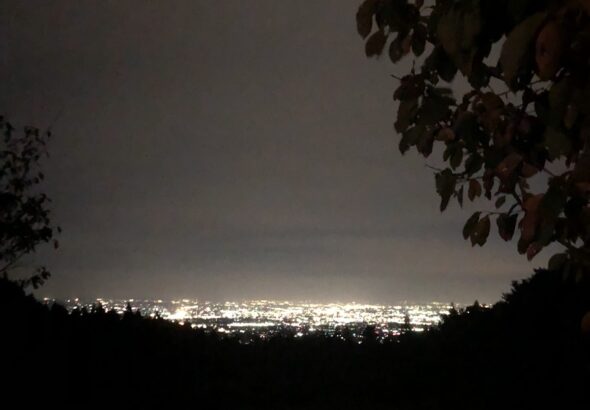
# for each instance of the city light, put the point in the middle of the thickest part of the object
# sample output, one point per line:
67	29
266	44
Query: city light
265	318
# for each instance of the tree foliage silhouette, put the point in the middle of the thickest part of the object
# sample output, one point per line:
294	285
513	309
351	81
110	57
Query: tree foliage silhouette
525	111
24	213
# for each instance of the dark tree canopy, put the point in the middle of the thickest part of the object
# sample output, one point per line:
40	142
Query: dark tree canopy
526	112
24	213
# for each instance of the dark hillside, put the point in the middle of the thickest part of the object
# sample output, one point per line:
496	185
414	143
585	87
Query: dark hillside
525	352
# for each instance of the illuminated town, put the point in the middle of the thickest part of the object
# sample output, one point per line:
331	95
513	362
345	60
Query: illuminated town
262	319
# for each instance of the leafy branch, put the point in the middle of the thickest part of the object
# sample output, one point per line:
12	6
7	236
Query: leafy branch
495	142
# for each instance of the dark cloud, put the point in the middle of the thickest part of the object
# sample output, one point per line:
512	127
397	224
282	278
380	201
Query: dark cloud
231	150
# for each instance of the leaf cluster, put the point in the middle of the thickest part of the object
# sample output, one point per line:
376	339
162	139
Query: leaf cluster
24	213
526	111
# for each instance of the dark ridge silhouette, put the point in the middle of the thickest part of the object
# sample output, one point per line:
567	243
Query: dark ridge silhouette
527	351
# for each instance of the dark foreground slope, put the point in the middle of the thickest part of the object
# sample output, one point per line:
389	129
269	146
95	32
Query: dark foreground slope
528	351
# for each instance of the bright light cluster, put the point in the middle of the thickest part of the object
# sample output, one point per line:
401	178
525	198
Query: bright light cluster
267	317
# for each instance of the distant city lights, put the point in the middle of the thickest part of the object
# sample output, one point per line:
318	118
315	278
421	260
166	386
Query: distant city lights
265	318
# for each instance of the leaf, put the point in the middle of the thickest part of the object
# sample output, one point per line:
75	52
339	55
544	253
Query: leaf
364	18
528	224
425	143
448	152
457	32
528	170
545	233
479	76
456	158
419	39
559	97
470	225
460	196
439	60
474	163
506	168
375	44
517	10
396	51
506	226
549	47
570	116
522	245
466	126
581	172
557	143
411	86
517	48
434	109
491	101
542	108
488	183
406	44
481	232
411	137
552	203
405	114
533	249
557	261
445	186
445	134
500	201
474	190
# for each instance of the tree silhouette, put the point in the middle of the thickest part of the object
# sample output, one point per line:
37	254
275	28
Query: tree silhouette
406	326
24	213
525	111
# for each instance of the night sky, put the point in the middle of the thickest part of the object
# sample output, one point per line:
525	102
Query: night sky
232	150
